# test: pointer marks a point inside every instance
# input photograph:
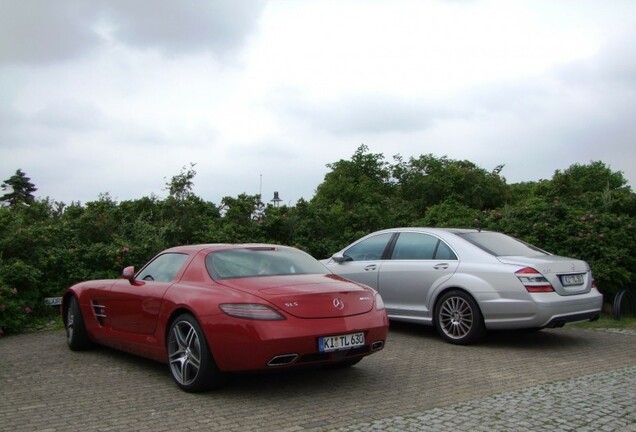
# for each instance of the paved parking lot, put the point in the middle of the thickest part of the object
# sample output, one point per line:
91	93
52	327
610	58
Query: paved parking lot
563	379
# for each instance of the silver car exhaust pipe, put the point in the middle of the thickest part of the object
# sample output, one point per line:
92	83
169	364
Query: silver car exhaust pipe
282	360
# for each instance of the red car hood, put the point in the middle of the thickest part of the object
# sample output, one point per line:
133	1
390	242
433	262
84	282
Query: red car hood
308	296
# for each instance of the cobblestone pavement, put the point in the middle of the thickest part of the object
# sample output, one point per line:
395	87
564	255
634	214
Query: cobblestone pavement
557	380
601	402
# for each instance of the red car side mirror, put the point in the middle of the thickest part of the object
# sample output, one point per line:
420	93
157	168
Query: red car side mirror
128	273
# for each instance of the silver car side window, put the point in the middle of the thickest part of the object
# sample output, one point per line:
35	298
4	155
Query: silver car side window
419	246
444	252
369	249
415	246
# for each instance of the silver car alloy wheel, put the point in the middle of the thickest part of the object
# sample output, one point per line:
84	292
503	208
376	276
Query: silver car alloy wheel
456	317
184	351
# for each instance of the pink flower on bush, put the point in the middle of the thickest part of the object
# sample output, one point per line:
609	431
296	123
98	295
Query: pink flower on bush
601	235
27	310
580	234
476	220
14	291
125	249
583	218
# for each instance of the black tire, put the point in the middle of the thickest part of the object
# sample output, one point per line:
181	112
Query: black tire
76	335
624	304
458	319
190	360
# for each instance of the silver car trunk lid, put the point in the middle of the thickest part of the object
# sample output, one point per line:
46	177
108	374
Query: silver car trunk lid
567	275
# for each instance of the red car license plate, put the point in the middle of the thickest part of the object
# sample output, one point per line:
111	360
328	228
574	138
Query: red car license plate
340	342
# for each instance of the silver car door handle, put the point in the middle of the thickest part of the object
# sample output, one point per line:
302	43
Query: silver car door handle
443	266
371	267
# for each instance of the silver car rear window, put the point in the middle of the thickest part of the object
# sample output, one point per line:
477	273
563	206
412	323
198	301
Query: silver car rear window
499	244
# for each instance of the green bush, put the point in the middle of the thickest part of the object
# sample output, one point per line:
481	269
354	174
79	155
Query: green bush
586	212
15	311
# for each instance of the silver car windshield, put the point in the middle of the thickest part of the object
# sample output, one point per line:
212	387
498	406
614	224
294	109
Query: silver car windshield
499	244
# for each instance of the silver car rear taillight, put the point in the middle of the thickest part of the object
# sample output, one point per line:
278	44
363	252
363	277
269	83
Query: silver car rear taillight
534	281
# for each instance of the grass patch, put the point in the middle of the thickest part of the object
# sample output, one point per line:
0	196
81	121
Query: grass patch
608	321
52	321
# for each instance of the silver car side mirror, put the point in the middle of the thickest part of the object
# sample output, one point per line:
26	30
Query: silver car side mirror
340	258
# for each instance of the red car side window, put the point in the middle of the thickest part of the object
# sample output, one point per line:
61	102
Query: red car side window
163	268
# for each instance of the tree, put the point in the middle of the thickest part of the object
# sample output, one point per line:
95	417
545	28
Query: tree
355	197
580	179
21	189
365	179
595	184
180	186
429	180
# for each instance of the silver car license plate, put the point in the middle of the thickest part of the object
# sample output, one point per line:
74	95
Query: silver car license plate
572	280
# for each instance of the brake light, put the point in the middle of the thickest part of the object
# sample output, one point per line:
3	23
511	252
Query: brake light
379	303
594	284
534	281
251	311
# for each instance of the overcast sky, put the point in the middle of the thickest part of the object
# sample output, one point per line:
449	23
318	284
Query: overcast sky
117	96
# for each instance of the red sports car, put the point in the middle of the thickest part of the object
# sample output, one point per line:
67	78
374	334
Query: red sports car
207	310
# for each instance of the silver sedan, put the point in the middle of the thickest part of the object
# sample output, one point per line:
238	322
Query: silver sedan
465	281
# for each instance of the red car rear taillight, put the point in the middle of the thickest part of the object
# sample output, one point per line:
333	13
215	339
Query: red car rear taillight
534	281
251	311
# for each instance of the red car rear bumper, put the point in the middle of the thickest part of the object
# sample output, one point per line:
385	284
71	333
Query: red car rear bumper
241	344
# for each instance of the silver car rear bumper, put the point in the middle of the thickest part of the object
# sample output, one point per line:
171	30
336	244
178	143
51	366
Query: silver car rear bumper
540	310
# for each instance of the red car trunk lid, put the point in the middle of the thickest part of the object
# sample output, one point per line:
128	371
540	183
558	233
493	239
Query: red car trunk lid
309	296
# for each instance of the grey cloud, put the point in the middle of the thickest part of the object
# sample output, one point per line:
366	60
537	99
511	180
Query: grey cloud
176	27
615	64
42	31
35	32
520	97
71	116
49	127
603	82
263	150
604	98
368	114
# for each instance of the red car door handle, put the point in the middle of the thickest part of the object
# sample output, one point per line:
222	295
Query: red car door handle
441	266
371	267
